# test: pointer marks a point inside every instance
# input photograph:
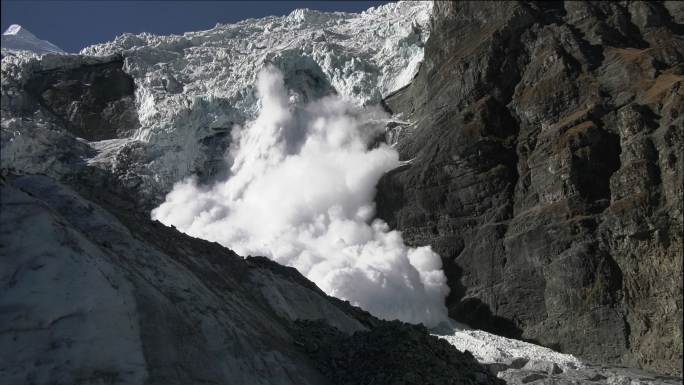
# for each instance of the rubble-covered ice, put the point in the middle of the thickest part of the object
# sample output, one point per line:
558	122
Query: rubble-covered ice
490	348
520	362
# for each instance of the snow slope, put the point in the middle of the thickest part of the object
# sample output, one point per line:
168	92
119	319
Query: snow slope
91	297
18	38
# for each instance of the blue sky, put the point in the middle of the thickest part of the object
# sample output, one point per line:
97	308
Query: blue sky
72	25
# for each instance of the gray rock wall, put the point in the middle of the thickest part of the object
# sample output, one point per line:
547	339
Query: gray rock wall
547	147
94	102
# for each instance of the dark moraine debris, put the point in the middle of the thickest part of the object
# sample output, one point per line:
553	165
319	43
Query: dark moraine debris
393	352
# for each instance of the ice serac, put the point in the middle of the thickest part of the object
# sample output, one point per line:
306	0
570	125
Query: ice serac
546	169
18	38
191	89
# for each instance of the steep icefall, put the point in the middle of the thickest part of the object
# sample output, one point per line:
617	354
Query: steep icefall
191	86
360	55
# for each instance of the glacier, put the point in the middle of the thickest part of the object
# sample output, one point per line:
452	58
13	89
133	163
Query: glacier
191	89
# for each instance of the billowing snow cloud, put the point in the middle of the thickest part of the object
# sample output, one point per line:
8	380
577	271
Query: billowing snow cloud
300	191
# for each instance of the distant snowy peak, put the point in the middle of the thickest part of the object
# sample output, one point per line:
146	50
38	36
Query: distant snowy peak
17	30
18	38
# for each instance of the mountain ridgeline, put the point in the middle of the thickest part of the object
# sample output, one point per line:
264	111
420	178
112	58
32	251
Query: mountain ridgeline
546	169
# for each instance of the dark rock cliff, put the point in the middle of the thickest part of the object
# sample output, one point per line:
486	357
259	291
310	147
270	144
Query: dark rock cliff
94	102
546	143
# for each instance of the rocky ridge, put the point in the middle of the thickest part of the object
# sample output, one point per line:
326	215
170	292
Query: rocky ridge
94	292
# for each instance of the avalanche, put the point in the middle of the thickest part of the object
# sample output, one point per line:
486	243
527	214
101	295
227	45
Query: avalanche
300	191
194	91
191	88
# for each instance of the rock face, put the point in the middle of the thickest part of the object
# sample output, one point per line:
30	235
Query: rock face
95	101
545	148
94	292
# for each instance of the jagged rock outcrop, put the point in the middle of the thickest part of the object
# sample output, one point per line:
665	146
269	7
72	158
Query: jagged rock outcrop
94	101
545	146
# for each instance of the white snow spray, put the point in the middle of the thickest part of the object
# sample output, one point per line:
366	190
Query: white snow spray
301	188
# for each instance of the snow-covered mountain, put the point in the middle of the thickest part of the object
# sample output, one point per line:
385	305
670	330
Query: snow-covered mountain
18	38
114	128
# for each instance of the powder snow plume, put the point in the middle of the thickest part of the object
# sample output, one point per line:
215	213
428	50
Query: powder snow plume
300	191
